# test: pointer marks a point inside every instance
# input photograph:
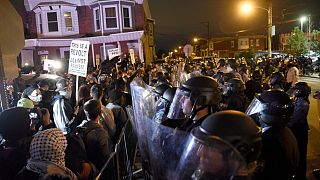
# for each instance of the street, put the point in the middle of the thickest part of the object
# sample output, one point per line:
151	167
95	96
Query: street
313	156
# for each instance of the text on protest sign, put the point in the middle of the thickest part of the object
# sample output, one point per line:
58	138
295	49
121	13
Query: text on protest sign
78	61
113	53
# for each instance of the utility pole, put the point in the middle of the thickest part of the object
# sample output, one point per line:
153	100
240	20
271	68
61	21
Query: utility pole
269	26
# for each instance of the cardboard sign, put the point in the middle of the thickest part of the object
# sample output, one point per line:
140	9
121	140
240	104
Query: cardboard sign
113	53
78	61
132	57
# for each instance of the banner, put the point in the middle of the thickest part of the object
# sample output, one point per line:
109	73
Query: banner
78	61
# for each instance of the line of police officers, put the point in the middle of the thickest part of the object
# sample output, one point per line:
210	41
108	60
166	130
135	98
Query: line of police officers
230	144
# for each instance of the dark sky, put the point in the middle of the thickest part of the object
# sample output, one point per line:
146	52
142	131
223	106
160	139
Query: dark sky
178	21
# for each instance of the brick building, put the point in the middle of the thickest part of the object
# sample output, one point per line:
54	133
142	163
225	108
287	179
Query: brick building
230	46
51	25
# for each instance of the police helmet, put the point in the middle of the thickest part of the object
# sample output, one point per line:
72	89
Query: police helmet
301	89
161	88
234	127
203	90
277	78
228	76
169	94
274	107
236	85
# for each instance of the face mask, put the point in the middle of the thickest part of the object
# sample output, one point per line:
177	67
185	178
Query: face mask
36	98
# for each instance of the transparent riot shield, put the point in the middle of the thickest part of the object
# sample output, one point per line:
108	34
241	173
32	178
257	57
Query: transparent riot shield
208	157
160	146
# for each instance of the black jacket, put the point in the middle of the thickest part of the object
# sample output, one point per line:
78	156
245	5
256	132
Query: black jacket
98	143
279	155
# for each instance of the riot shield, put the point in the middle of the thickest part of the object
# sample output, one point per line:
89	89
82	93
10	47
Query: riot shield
208	157
160	146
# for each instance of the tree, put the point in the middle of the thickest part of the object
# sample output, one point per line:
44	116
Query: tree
315	41
297	43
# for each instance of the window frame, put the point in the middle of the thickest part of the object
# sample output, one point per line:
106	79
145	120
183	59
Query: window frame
97	18
130	16
57	21
105	17
65	22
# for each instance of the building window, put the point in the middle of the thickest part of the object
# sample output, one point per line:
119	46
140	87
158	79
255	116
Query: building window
52	22
111	17
68	21
251	42
232	44
257	42
97	24
126	11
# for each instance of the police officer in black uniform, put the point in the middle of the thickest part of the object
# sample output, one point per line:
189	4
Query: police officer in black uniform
225	146
197	98
280	154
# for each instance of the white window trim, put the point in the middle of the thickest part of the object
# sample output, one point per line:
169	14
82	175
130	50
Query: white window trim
39	23
130	16
105	18
95	19
58	21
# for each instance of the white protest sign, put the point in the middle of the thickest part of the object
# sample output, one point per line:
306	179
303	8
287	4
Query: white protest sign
132	57
187	49
78	61
113	53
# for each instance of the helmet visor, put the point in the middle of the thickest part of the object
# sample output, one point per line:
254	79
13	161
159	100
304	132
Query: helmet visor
208	157
256	106
176	108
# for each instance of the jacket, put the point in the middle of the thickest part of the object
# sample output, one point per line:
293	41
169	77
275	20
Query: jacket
97	142
62	112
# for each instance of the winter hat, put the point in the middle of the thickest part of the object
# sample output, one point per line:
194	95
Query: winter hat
25	103
14	123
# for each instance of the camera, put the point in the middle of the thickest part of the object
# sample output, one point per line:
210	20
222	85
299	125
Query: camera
36	116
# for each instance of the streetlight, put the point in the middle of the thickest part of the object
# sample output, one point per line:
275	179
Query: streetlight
302	20
247	8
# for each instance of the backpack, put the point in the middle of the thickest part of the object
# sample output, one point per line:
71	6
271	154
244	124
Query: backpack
76	155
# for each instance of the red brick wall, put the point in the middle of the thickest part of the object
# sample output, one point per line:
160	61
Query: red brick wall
85	17
139	17
31	16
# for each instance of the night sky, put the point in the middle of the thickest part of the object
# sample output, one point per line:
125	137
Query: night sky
178	21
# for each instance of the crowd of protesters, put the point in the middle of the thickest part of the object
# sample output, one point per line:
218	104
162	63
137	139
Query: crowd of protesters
43	148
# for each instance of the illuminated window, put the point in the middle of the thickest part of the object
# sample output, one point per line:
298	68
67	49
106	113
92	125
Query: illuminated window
68	21
52	22
257	42
251	42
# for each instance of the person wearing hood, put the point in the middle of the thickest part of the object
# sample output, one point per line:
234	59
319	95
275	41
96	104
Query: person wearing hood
47	161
